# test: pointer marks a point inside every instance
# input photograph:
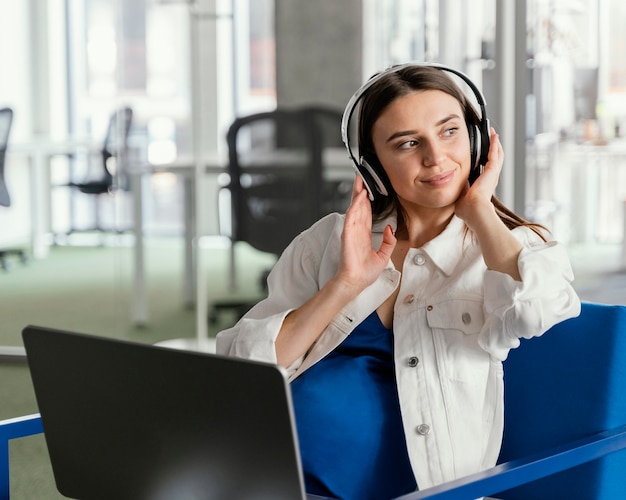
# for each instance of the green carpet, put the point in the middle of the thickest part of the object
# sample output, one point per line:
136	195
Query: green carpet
89	290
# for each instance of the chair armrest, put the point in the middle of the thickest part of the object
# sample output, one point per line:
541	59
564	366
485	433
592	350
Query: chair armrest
525	470
494	480
14	428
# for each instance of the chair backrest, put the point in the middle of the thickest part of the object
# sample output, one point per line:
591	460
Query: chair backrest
328	121
275	177
115	143
6	119
567	385
336	193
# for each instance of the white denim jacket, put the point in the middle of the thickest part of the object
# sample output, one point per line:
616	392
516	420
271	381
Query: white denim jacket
454	323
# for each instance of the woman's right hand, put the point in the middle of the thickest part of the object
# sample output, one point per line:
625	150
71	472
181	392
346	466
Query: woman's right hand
360	265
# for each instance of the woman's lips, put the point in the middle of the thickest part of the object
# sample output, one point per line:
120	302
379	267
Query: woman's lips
440	179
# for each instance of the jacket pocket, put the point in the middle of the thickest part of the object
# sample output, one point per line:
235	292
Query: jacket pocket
464	315
455	325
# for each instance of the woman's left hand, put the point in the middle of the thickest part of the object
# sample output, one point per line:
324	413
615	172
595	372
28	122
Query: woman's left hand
499	246
476	198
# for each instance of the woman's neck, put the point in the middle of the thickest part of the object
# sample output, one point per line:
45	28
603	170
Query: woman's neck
415	230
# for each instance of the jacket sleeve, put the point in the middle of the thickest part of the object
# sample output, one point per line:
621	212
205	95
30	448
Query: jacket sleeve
293	280
528	308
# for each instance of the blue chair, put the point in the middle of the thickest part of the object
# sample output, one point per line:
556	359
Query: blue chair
565	386
12	429
565	418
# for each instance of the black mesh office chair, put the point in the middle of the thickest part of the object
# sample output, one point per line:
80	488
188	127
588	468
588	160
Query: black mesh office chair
336	191
6	120
107	178
276	186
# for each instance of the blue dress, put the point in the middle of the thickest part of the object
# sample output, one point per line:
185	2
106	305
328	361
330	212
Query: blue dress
350	430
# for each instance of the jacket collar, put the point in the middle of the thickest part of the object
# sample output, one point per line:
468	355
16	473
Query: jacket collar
445	250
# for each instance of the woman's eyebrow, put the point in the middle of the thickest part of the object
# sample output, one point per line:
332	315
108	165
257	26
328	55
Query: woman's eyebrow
402	133
452	116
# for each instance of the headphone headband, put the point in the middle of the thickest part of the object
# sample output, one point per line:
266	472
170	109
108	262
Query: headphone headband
358	95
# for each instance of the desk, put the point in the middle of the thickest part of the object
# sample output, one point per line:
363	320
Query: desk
337	165
186	169
40	150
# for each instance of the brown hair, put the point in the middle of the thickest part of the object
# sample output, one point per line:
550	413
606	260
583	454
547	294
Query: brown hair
395	84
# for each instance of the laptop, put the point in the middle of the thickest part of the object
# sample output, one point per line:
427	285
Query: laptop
127	420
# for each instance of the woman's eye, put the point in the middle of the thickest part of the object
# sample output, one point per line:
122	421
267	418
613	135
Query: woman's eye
450	131
408	144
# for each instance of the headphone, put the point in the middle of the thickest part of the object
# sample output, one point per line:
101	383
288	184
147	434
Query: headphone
367	166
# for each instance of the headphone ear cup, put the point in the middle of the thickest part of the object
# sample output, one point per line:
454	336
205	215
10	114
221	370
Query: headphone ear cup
373	182
485	141
472	131
479	148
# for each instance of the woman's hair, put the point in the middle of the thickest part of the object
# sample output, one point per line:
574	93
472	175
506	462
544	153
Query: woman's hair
395	84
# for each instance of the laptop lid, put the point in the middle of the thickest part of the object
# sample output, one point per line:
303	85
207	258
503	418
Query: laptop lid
126	420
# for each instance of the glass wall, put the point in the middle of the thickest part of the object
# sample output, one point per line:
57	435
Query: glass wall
71	64
577	157
140	52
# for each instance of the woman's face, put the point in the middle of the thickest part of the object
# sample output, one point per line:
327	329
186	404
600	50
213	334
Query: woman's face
421	140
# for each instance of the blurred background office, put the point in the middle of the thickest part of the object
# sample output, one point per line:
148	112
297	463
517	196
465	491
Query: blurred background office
550	70
117	152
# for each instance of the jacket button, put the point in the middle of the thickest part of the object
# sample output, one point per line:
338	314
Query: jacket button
413	361
429	308
466	318
419	259
409	299
423	429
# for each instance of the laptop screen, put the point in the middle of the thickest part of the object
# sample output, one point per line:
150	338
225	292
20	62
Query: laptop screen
134	421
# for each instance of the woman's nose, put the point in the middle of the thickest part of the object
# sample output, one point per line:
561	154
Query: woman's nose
433	154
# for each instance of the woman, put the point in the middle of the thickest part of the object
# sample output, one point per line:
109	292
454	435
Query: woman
393	320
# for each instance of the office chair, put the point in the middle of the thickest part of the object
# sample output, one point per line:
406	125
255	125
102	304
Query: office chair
6	120
109	176
276	188
337	192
